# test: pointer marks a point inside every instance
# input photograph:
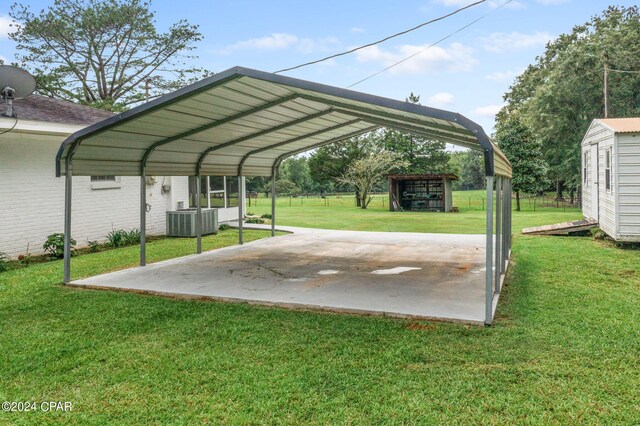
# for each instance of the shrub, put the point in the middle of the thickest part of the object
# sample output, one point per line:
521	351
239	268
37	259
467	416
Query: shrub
122	237
249	214
55	245
254	220
116	237
224	226
132	237
4	261
25	259
266	216
93	246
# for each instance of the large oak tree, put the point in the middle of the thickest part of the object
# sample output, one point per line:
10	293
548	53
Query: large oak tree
559	95
104	53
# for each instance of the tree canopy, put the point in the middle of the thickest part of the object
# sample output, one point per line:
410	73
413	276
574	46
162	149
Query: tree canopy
469	167
420	155
364	173
518	143
329	162
559	95
104	53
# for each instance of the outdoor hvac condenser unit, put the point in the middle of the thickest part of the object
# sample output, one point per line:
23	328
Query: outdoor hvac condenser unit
182	223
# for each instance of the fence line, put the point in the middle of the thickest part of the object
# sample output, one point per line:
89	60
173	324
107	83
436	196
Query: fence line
476	200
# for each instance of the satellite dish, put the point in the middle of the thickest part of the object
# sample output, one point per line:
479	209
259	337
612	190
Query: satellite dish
15	83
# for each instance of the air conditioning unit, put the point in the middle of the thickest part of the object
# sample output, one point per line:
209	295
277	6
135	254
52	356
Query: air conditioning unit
182	223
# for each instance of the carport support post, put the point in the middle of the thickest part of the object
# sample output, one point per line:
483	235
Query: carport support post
488	316
498	241
68	177
506	227
143	218
198	214
273	202
510	213
240	211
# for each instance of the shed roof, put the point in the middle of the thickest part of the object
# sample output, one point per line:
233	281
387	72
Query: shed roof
622	125
423	176
42	108
244	121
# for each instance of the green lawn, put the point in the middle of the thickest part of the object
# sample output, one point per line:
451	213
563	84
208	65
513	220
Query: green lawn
565	348
340	213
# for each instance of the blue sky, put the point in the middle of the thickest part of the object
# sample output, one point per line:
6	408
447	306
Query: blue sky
468	73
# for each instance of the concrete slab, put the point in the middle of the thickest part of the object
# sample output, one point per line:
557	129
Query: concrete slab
431	276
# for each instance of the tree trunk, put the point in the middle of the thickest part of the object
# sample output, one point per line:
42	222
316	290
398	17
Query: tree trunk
358	200
517	201
571	196
559	189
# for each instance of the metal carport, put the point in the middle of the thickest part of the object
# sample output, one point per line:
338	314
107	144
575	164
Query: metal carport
245	122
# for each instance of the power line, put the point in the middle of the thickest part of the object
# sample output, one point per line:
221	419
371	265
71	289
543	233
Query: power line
355	49
429	46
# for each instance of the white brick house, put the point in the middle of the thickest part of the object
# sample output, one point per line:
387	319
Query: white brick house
32	198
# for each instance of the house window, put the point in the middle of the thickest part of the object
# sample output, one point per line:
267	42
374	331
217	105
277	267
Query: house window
104	178
105	182
607	169
585	161
213	191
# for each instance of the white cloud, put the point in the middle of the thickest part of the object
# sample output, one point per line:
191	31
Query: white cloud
357	30
441	100
455	58
510	42
5	26
488	110
502	75
281	41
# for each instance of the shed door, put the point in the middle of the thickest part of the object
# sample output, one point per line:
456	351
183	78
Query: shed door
595	201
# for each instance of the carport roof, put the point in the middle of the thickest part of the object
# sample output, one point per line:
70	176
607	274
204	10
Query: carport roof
244	121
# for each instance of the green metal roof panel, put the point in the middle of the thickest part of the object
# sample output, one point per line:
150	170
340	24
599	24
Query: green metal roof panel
245	121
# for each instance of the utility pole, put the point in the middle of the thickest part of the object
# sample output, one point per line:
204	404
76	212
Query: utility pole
146	88
606	85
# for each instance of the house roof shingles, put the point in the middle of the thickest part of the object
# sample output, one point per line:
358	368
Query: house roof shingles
42	108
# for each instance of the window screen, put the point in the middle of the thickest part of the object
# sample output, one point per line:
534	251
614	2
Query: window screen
106	178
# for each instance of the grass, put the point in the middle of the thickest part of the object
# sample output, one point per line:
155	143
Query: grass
340	213
564	349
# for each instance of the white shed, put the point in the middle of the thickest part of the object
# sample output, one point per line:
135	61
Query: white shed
611	177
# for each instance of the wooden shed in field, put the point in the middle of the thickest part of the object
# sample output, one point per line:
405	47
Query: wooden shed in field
424	192
611	177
